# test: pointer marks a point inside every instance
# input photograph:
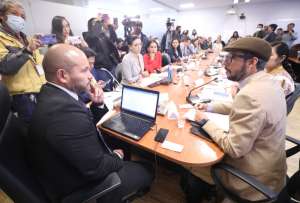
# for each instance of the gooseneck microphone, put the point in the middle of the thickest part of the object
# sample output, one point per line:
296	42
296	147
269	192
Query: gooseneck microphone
193	99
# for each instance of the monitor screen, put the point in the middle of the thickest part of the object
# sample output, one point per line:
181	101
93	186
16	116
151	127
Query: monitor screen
140	101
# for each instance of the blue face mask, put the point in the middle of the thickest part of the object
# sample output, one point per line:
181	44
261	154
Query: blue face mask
15	23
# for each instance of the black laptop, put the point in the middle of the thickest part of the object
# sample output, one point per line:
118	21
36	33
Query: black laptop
138	112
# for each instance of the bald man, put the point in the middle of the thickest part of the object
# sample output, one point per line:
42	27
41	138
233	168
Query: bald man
65	148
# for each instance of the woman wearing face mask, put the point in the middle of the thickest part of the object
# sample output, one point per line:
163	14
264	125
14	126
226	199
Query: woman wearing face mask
20	60
152	58
133	63
277	64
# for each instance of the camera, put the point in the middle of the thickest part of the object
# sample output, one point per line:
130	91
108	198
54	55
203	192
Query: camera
129	23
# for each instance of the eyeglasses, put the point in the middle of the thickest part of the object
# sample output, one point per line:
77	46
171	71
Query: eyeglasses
229	57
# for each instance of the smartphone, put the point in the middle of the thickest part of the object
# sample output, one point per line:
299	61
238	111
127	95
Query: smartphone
196	130
74	40
161	135
48	39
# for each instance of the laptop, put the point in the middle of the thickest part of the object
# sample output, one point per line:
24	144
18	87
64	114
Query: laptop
138	112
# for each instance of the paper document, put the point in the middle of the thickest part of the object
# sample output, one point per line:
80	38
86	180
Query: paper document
222	121
153	78
172	146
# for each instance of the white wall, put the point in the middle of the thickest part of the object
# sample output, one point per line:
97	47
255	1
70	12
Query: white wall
214	21
40	13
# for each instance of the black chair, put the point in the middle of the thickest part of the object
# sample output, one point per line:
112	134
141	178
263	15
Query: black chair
16	177
292	98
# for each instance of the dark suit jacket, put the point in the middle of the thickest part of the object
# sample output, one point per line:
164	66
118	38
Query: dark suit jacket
175	57
271	37
64	146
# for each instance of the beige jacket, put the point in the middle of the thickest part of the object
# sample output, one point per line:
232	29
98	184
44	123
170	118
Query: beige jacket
255	143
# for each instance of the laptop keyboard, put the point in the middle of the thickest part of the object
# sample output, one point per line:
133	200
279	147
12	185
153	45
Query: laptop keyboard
133	124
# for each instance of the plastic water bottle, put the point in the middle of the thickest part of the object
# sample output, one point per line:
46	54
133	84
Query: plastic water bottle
170	78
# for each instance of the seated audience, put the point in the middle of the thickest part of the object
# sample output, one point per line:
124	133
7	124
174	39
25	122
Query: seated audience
255	142
277	64
66	150
107	54
235	36
187	48
61	28
289	36
133	63
152	58
20	60
271	35
175	51
218	44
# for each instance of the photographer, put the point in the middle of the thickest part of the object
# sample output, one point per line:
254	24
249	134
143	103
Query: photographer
20	60
108	28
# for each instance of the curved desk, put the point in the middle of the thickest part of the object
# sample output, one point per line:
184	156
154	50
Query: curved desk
196	151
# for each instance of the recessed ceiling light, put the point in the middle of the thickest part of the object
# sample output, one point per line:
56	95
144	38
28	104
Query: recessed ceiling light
187	5
247	1
235	1
156	9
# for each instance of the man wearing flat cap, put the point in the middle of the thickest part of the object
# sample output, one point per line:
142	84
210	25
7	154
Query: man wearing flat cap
255	142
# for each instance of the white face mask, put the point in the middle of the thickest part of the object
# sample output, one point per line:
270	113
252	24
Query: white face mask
15	23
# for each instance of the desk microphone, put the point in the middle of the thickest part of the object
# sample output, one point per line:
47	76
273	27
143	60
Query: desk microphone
192	99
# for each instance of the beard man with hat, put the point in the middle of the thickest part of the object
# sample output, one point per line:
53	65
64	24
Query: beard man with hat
255	142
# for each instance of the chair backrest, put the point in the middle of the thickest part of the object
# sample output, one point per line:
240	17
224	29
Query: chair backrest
118	72
4	105
166	60
16	178
291	99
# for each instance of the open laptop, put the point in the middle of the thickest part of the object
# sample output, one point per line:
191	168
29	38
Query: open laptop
138	112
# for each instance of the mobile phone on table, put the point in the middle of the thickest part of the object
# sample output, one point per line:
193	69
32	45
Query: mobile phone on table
48	39
161	135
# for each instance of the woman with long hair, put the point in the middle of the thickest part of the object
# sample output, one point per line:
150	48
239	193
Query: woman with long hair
152	58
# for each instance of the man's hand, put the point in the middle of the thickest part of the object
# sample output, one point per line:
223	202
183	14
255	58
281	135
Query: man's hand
119	152
201	106
96	93
200	115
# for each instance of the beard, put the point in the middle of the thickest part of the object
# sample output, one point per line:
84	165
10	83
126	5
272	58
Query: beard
238	76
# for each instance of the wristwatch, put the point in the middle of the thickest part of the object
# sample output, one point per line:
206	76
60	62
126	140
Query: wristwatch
202	122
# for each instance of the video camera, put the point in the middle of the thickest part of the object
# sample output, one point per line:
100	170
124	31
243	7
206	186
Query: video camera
129	23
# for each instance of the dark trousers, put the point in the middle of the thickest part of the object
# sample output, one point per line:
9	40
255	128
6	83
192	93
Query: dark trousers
136	178
23	105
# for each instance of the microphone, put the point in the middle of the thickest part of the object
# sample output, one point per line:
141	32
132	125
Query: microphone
193	99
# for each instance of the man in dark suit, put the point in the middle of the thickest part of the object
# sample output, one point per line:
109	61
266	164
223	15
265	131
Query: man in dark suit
65	148
271	35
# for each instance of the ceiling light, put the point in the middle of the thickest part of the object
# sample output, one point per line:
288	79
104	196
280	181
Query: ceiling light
231	11
247	1
235	1
187	5
156	9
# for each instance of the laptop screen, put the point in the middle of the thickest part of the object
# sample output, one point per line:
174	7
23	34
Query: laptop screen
140	101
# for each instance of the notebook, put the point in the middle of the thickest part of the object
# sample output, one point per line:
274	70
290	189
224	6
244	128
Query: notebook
138	112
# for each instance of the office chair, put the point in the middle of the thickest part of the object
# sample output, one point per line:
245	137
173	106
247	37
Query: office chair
292	98
166	60
17	179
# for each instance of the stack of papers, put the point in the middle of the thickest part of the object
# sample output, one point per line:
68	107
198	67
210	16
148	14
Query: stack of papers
215	93
153	78
112	98
220	120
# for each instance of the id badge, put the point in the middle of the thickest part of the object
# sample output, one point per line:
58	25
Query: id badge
40	69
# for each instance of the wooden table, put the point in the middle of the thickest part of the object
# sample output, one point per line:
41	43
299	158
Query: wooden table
196	151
